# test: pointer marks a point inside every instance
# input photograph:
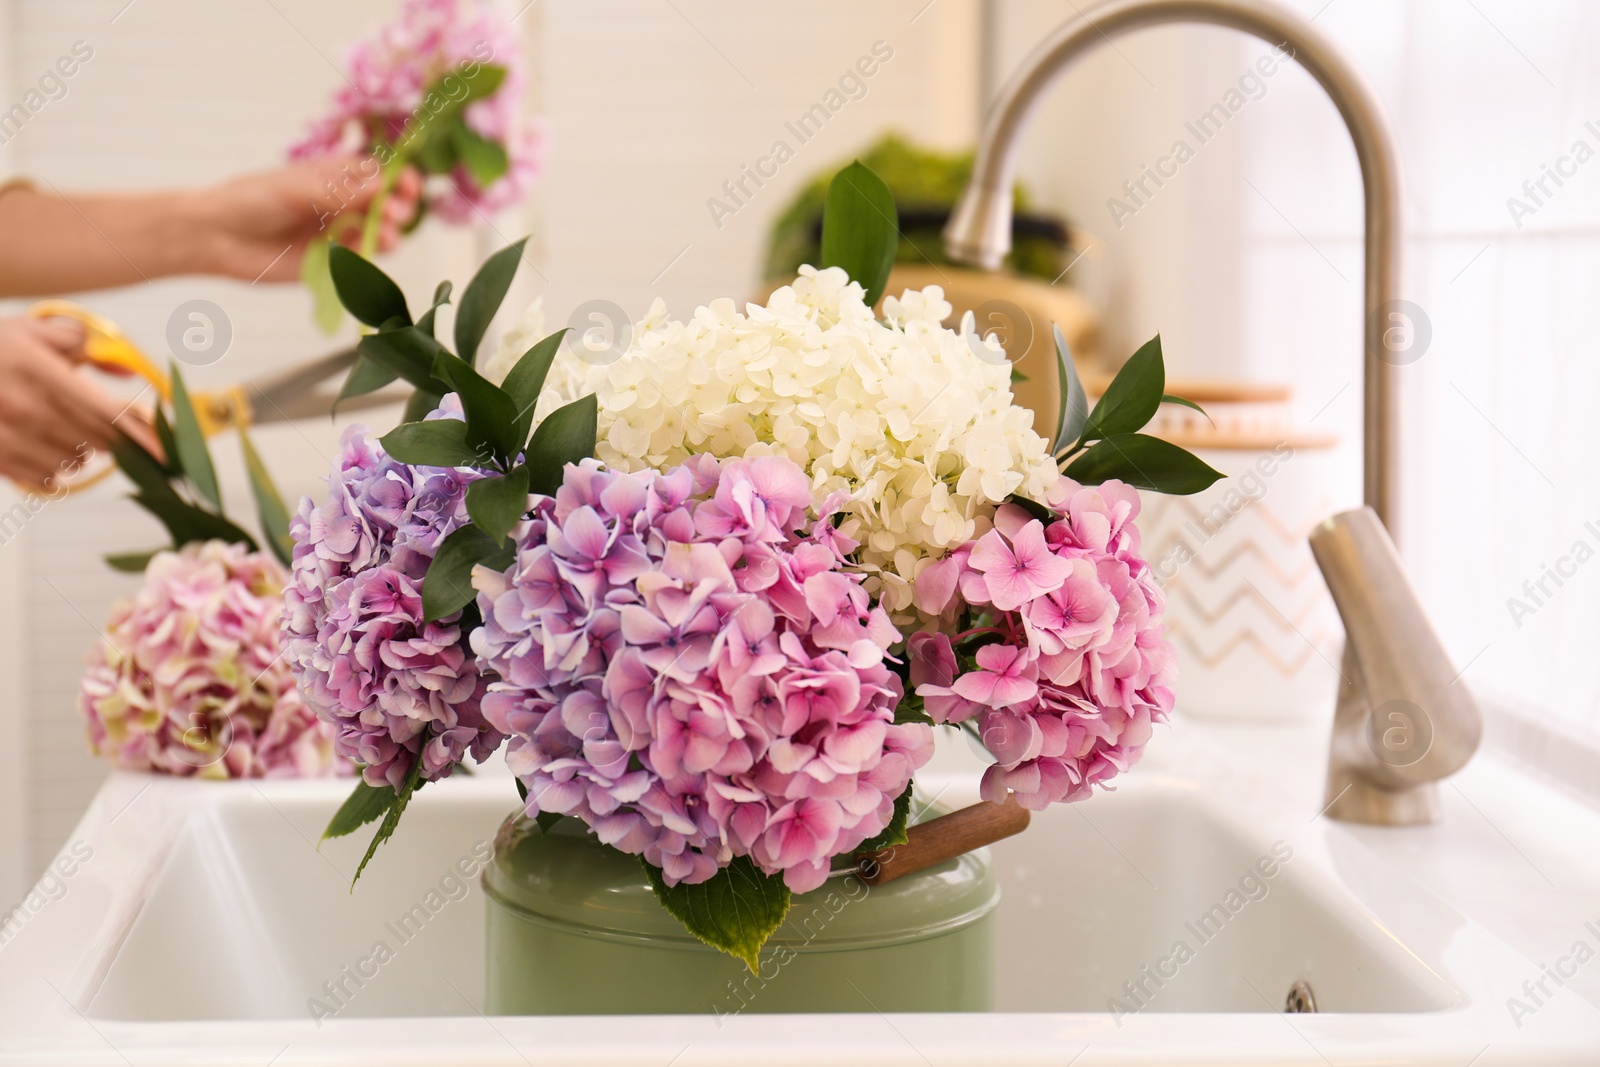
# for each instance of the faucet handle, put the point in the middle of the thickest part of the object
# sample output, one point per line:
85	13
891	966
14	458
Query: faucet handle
1404	718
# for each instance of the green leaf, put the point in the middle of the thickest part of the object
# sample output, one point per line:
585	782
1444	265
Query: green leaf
895	832
482	298
193	454
484	159
1185	402
441	297
366	803
432	143
408	352
169	443
130	562
436	151
565	436
1132	397
365	377
447	587
1033	508
365	291
187	523
491	417
143	469
326	311
1074	401
910	710
860	228
522	791
420	404
481	83
269	502
525	382
1143	462
735	910
397	808
434	443
498	504
547	819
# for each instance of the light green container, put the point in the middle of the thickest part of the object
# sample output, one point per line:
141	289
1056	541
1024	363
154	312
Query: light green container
574	929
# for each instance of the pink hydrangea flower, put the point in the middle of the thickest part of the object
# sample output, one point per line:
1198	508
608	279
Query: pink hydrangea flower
354	633
695	675
389	75
1075	670
187	678
1018	568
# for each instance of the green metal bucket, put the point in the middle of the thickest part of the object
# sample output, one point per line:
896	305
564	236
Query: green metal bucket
574	929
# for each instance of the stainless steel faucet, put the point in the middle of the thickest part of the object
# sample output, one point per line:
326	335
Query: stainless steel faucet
1404	718
1402	721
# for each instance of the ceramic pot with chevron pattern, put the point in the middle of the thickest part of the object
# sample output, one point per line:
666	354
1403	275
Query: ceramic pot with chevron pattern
1256	632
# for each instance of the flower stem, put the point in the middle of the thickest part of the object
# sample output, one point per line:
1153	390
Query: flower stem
374	221
1068	452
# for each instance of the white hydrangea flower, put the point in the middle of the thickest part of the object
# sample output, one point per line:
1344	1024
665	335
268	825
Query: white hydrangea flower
917	305
528	332
921	432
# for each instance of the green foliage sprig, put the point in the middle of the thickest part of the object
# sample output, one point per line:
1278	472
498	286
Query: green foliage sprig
1097	446
494	437
182	490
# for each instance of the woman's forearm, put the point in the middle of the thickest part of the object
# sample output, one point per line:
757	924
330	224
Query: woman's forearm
52	243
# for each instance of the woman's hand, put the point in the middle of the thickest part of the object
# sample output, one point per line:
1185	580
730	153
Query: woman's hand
254	227
260	224
52	416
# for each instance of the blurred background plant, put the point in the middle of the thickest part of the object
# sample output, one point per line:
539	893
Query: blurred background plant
925	183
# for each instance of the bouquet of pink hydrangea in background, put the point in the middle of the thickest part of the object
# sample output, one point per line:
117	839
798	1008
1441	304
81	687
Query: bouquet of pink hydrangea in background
809	535
439	89
188	677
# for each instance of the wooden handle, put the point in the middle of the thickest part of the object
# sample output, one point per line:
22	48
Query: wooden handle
944	838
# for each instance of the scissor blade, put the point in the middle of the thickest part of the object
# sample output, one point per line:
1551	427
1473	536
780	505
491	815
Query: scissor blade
302	377
318	405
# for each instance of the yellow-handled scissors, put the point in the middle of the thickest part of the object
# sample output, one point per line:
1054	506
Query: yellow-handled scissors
279	397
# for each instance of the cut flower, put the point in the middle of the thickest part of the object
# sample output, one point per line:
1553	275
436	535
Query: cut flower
187	678
918	432
686	665
354	631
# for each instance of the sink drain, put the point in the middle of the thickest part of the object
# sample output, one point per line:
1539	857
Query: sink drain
1300	998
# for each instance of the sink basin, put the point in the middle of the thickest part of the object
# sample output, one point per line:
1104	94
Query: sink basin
1151	899
1163	923
1182	915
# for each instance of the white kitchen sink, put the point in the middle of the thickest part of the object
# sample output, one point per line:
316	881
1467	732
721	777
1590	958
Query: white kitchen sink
1163	923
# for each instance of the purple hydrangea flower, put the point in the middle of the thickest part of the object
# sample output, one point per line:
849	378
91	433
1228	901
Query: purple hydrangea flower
691	676
353	627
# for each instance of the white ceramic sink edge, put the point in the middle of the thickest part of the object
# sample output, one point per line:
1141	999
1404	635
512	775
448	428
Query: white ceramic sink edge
52	969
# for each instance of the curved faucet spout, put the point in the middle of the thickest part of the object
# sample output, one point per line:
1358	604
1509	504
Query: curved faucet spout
1401	721
979	231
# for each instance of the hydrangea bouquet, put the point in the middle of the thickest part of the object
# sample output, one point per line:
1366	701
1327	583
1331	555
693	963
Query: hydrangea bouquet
439	89
187	677
716	594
